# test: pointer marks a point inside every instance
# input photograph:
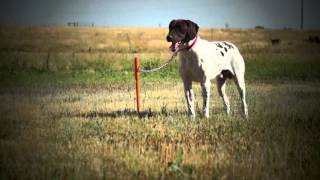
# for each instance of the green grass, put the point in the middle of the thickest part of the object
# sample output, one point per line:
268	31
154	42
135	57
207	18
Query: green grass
34	77
304	67
279	67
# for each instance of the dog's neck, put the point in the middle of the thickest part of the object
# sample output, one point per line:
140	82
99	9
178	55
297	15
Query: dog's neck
192	42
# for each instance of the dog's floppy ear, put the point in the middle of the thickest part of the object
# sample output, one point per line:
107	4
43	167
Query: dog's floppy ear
171	23
192	30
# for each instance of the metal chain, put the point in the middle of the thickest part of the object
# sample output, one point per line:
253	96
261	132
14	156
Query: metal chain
165	64
160	67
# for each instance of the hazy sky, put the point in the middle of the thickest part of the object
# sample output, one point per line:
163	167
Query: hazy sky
207	13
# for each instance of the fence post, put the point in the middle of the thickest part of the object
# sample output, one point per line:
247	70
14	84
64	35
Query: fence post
136	73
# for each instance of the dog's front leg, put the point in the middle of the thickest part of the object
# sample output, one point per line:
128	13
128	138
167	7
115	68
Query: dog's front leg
189	97
206	97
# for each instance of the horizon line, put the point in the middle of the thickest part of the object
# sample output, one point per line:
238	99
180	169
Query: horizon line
260	27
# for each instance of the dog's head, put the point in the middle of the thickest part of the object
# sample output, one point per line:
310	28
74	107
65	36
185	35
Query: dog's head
181	32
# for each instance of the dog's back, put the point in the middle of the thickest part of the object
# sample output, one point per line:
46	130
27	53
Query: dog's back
209	59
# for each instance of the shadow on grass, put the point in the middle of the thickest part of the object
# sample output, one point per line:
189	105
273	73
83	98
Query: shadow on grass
119	113
125	113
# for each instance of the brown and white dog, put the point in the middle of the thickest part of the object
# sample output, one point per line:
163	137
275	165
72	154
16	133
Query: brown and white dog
201	61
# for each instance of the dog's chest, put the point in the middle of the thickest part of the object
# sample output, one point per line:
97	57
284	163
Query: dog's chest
191	66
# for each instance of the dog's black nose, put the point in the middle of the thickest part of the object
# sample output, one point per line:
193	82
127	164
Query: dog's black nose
169	38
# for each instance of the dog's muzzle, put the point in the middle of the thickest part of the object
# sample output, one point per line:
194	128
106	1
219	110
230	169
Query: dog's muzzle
174	47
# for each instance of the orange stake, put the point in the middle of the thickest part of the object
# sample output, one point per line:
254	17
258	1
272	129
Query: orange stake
136	73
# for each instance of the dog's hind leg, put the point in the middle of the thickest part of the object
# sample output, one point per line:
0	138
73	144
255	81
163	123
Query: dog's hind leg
239	80
189	97
239	70
221	85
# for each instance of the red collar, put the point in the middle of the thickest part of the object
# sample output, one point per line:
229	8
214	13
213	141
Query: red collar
193	43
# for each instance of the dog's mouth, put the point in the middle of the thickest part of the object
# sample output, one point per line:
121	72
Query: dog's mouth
175	46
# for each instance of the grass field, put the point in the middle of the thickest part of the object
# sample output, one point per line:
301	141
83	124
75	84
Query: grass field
67	108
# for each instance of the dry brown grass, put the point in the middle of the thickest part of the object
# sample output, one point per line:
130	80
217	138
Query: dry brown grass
68	39
93	132
66	48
